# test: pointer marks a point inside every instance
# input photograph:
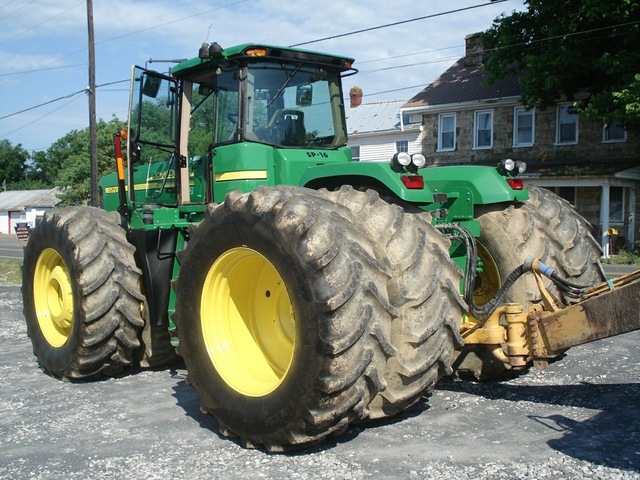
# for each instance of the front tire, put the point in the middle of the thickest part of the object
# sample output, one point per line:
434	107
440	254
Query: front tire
301	311
81	294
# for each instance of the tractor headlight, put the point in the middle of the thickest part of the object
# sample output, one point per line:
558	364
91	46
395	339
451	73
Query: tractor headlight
399	161
510	167
404	158
418	160
411	163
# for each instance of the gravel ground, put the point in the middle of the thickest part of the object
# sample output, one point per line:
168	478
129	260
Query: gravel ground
579	419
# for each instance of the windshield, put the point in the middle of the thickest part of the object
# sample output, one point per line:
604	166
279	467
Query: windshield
291	105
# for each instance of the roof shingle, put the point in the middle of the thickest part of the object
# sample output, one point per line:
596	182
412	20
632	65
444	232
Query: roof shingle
464	83
16	200
374	117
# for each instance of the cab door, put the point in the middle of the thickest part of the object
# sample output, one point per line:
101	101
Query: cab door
153	136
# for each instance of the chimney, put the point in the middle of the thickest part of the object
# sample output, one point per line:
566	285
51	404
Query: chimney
473	50
355	95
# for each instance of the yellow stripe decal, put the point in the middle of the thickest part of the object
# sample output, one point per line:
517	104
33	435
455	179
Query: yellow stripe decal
152	185
241	175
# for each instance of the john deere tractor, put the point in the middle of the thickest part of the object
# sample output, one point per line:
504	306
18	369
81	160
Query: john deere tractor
304	291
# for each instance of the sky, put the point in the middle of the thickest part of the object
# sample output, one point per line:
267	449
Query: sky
44	55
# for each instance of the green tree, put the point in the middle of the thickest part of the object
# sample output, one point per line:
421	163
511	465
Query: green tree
13	163
68	160
583	50
38	172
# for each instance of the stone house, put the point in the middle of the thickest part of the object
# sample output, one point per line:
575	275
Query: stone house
594	166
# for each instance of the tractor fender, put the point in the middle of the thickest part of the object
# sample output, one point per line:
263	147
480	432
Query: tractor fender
473	185
375	175
484	184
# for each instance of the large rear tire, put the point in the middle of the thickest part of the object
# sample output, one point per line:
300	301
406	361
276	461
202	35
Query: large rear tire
546	227
81	294
301	311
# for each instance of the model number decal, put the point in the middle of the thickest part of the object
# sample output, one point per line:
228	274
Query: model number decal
317	154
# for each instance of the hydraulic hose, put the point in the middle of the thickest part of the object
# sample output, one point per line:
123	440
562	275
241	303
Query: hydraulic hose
483	312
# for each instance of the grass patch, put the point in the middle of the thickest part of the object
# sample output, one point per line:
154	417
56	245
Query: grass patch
623	258
10	272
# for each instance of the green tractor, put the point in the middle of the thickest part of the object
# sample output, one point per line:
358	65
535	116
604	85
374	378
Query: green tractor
304	291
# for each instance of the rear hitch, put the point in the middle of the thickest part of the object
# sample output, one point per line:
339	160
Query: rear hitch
545	331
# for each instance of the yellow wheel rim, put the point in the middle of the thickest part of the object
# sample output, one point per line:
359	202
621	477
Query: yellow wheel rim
247	322
488	282
53	298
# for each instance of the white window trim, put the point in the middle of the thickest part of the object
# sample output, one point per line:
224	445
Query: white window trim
398	141
455	139
515	127
558	142
614	140
476	113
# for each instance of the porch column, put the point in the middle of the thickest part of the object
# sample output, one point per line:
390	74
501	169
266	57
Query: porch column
631	228
604	219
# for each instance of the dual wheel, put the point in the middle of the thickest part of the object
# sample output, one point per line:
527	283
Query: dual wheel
302	311
546	227
81	294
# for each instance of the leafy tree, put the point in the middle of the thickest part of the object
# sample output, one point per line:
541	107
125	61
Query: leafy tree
13	161
38	174
68	160
583	50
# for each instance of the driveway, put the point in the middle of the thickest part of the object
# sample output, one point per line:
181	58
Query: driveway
10	247
580	418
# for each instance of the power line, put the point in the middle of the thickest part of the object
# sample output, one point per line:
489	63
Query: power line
350	33
43	104
401	22
41	23
61	98
391	91
368	61
18	9
126	80
361	62
143	30
175	21
40	118
41	69
570	34
394	67
8	3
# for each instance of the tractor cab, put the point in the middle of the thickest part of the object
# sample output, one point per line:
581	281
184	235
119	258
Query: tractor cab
233	119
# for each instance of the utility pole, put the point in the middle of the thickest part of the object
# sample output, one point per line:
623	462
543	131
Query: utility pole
91	93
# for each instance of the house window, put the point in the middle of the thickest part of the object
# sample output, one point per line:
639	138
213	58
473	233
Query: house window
568	193
616	205
523	127
447	132
566	125
355	153
614	131
402	146
483	129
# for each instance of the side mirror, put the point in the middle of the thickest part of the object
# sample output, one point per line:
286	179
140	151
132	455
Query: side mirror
151	85
304	95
